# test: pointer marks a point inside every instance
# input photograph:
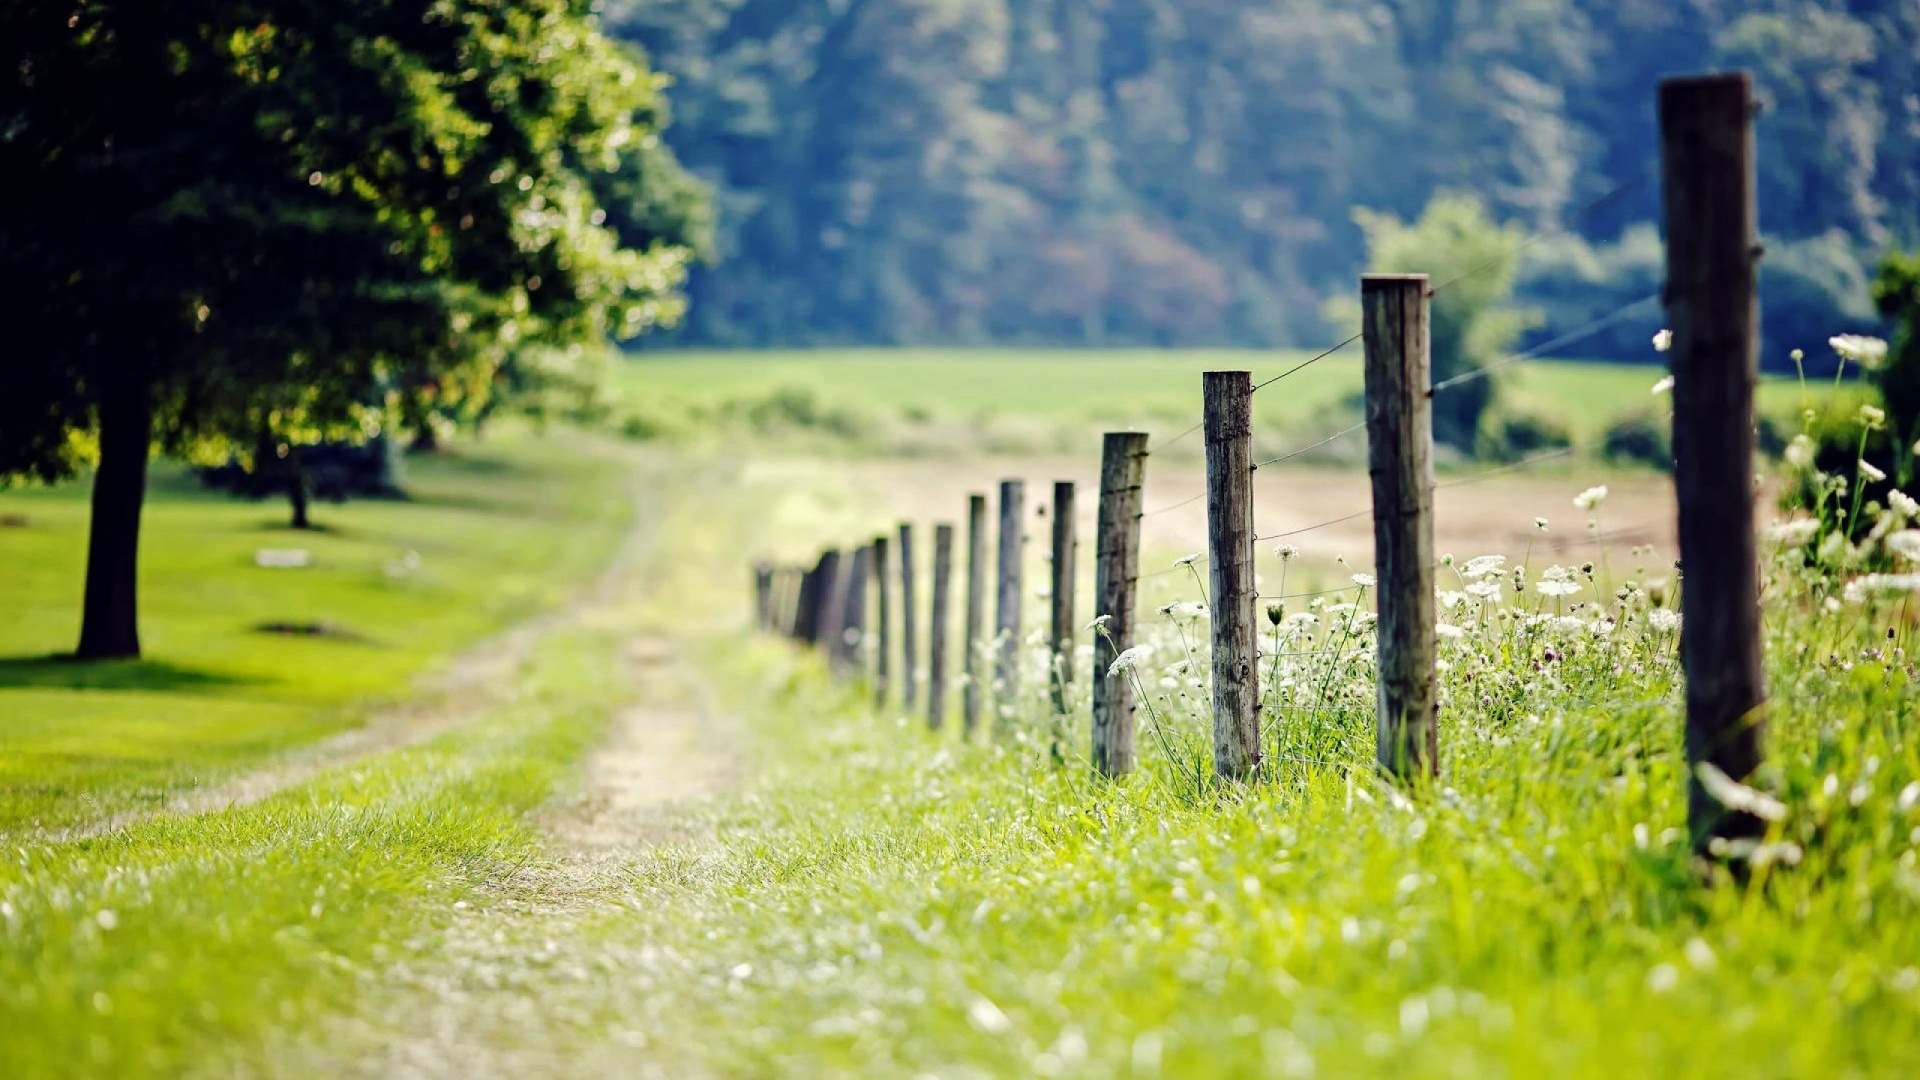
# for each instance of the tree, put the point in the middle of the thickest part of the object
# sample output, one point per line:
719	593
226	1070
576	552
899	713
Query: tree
1473	263
1897	291
245	218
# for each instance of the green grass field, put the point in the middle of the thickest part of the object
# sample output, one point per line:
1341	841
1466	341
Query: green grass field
498	530
1087	390
539	890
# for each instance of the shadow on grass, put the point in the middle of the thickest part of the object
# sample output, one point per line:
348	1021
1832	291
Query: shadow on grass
61	671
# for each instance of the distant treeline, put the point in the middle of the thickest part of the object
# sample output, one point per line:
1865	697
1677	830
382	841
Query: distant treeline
1171	172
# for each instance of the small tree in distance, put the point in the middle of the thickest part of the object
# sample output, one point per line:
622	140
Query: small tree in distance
1474	322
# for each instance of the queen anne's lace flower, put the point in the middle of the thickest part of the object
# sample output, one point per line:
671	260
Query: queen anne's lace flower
1871	471
1903	504
1663	619
1482	565
1591	498
1795	533
1129	660
1868	352
1663	341
1905	543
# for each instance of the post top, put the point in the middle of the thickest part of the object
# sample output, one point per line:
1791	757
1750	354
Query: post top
1371	282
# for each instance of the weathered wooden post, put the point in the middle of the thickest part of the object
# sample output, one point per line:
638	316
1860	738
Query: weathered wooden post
824	608
1227	419
847	646
1394	331
909	631
1706	150
1116	570
1006	623
937	631
882	576
1060	626
763	595
796	579
971	698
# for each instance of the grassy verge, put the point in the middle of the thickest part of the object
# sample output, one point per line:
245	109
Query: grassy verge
885	902
493	532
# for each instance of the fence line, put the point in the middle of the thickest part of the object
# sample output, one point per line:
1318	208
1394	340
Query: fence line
1707	158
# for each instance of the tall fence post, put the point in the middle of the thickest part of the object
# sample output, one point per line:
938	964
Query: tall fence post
796	582
763	595
972	697
909	631
937	628
824	607
883	648
1394	330
1065	551
1706	150
1006	622
1228	424
850	641
1116	570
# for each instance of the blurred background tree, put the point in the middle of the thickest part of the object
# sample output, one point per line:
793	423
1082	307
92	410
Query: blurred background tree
1184	172
257	224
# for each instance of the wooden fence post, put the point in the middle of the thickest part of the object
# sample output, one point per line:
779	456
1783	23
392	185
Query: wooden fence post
909	631
851	640
1116	570
937	630
796	583
1394	330
1006	623
763	595
1228	427
1706	149
830	602
1065	550
972	697
883	647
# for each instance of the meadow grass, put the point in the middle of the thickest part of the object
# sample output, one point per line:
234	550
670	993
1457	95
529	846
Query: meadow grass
885	901
498	530
860	393
879	900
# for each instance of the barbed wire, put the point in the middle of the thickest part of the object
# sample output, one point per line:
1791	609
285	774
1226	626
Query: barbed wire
1584	330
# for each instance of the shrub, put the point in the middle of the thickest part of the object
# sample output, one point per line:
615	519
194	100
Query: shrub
1511	434
1641	439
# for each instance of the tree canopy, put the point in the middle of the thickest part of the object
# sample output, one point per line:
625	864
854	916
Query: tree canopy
272	216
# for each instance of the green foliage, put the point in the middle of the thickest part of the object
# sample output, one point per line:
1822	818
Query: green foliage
1509	434
1644	439
1183	171
1473	322
1897	291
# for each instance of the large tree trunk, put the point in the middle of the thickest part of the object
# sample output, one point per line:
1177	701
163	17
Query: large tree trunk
425	440
109	624
297	488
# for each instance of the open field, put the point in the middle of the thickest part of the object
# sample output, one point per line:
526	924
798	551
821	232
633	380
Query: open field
643	841
1003	396
496	532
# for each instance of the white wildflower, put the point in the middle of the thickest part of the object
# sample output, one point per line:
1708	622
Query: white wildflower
1663	341
1485	590
1868	352
1735	795
1903	504
1569	624
1187	560
1451	598
1557	581
1662	386
1482	565
1591	498
1794	533
1189	610
1285	551
1800	452
1302	618
1872	417
1449	631
1365	581
1129	660
1872	472
1869	585
1905	543
1100	622
1664	620
1540	523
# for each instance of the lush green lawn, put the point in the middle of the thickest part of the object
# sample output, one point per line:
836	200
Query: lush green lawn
1160	391
496	531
